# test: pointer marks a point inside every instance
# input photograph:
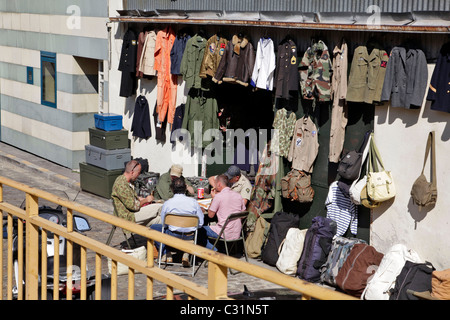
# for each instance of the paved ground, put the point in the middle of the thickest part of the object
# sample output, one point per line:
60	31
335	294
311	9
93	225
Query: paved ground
42	174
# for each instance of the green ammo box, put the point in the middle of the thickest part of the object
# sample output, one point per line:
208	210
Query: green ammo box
109	140
98	180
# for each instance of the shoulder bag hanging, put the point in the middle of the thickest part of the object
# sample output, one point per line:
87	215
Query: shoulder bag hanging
366	201
359	183
380	184
424	193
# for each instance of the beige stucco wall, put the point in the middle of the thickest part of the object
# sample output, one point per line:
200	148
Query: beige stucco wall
401	136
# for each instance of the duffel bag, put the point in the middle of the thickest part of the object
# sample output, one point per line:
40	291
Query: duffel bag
257	238
413	277
361	263
290	251
279	226
316	248
384	278
340	249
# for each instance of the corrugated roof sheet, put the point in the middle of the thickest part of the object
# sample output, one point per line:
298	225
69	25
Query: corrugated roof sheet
355	6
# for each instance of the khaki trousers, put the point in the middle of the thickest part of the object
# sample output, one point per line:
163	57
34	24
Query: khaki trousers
149	214
339	119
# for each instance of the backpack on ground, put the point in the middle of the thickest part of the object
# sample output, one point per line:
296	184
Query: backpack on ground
316	248
390	267
361	263
340	249
414	277
279	226
257	238
290	251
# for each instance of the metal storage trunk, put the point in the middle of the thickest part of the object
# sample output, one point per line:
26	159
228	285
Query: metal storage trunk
109	140
108	121
97	180
107	159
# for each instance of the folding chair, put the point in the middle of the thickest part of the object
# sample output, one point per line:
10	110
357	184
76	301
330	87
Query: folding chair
182	221
113	229
232	217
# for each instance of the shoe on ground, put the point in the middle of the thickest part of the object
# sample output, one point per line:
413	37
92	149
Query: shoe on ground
185	260
167	258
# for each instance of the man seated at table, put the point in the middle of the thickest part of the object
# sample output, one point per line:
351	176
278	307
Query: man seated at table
163	190
179	203
237	181
127	204
225	202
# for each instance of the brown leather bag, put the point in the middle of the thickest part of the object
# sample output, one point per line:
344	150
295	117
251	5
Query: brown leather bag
361	263
296	185
424	193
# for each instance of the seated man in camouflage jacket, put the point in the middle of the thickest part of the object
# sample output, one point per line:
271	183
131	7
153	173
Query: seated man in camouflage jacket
127	204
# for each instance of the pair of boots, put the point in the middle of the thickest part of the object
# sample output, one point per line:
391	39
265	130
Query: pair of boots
167	258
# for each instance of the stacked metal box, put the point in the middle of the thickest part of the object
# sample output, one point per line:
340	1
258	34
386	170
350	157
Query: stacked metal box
106	155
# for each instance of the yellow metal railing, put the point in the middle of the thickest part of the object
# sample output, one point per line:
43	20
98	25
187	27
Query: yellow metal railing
218	263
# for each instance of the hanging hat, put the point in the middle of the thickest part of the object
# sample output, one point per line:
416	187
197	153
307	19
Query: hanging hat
176	170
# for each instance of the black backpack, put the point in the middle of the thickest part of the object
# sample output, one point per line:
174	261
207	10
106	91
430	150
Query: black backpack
413	277
279	226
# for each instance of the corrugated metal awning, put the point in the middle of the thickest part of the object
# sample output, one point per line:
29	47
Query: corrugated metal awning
435	22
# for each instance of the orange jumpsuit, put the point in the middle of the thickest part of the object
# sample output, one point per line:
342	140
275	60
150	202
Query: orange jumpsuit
167	83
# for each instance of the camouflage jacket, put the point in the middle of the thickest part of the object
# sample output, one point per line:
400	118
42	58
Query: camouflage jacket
124	199
315	73
284	125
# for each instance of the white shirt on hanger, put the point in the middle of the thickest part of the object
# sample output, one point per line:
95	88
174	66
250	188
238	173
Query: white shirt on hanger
263	71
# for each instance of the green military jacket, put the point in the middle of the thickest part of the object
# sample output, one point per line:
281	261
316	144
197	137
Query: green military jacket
192	62
315	73
200	115
367	72
163	190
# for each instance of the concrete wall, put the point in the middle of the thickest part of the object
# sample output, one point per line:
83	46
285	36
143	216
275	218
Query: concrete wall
74	30
401	136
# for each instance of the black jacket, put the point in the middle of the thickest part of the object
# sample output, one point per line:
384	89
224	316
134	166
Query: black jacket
286	71
439	91
406	78
127	64
141	119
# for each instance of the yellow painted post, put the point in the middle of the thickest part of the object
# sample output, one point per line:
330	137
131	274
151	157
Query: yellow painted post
98	276
44	265
56	267
69	269
169	295
32	248
217	281
83	261
10	258
150	264
19	259
130	284
69	263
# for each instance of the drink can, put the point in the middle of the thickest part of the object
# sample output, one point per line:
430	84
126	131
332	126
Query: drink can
200	193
